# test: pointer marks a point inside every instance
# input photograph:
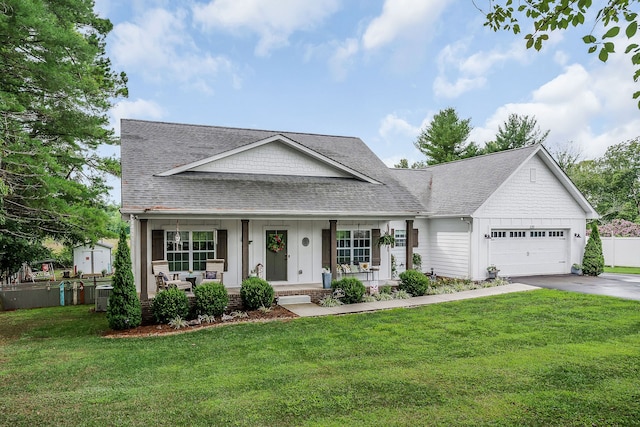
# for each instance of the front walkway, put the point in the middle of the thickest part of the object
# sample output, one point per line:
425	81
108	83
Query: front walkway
313	310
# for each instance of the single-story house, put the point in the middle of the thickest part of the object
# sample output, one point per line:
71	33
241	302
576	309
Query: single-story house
288	205
93	259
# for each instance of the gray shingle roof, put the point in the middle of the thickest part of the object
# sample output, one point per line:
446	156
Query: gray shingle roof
149	148
460	187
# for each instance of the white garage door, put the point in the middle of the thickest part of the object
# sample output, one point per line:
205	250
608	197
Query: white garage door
529	252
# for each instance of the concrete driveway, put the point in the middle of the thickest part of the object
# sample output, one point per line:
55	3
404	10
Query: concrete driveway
625	286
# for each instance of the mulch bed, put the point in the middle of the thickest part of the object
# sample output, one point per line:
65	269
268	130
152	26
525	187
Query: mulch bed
277	313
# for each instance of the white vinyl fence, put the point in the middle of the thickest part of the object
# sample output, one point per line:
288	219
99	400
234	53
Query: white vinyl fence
621	251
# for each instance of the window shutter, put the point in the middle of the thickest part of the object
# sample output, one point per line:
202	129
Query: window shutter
157	245
375	247
221	248
326	248
415	237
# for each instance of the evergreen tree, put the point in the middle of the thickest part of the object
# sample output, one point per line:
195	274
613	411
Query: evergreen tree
593	260
124	309
56	87
444	139
518	131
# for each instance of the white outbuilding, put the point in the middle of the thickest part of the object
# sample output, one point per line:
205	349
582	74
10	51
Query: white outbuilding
93	259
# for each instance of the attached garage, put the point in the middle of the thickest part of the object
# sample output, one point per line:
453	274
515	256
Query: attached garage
524	252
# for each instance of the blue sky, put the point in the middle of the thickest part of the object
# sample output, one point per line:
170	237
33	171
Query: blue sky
378	70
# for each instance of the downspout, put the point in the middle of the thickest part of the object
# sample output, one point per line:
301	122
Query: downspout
469	261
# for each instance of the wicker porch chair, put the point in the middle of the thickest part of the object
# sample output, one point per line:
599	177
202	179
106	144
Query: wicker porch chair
165	279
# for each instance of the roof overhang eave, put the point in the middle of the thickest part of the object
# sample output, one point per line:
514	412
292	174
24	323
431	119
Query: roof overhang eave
169	212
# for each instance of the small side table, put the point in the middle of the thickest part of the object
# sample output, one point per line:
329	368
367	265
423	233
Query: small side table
191	279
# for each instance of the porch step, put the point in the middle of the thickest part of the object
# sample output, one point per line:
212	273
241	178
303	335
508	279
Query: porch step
294	299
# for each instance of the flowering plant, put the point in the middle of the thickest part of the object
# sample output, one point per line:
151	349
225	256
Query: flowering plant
275	243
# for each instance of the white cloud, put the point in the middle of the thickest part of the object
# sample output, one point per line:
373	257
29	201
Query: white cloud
343	57
403	25
272	20
157	46
138	109
393	127
401	19
591	107
471	71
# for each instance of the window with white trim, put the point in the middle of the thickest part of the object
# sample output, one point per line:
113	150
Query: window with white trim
556	233
192	252
400	237
537	233
498	234
354	246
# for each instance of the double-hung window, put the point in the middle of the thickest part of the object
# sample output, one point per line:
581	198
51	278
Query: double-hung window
400	237
354	246
192	252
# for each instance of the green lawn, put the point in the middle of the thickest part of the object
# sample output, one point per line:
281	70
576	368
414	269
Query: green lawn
622	270
536	358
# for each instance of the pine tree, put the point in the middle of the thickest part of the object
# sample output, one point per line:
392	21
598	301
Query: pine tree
124	309
444	139
593	260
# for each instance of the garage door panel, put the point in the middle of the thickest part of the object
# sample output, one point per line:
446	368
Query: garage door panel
529	252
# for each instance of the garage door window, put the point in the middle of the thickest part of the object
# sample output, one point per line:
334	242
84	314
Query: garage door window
495	234
556	233
517	234
538	233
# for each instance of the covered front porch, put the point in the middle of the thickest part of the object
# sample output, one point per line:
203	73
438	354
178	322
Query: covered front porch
291	254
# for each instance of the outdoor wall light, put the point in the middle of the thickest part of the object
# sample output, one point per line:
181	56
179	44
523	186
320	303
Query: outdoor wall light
487	236
576	235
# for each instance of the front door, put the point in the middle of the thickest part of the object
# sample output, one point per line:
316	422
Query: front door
276	259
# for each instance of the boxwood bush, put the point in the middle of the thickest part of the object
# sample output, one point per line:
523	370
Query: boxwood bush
168	304
256	293
414	282
211	299
352	288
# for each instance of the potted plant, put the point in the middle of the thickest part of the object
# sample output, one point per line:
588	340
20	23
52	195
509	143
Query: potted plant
492	271
417	261
576	269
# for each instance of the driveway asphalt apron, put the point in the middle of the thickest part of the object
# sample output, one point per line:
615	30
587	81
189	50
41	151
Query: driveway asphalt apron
625	286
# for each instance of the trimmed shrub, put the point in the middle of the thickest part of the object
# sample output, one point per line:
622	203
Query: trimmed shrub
124	310
255	293
414	282
352	288
169	304
211	299
593	260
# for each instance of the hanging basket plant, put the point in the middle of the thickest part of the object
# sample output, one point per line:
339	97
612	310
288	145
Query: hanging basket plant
275	243
386	240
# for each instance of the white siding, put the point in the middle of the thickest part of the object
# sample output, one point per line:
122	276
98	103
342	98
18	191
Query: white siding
520	197
533	199
274	158
448	241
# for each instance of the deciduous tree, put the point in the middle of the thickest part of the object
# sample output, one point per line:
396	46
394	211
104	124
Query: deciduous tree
603	23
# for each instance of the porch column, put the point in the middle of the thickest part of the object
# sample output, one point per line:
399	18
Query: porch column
245	248
333	244
409	247
144	294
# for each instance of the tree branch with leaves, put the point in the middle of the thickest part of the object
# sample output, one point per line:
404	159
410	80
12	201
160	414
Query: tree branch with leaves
614	18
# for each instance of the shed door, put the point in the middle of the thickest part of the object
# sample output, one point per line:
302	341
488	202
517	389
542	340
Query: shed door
530	252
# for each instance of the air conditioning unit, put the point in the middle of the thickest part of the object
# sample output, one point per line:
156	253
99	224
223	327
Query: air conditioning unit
102	297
